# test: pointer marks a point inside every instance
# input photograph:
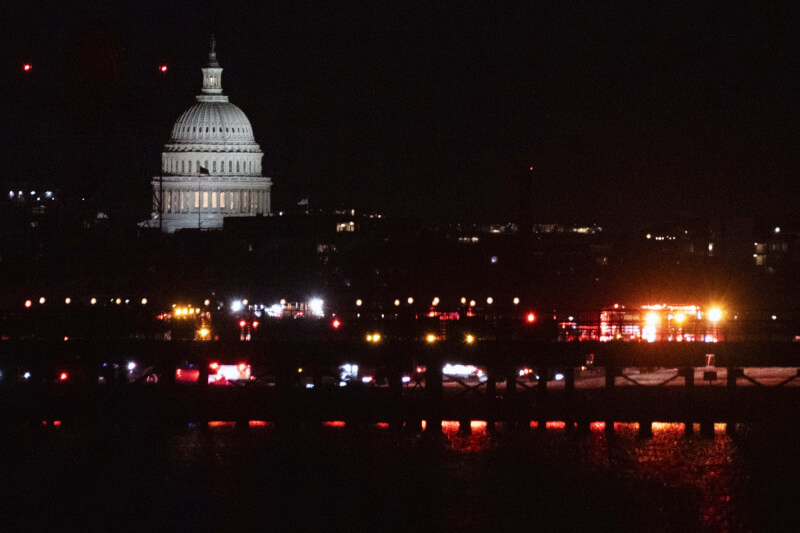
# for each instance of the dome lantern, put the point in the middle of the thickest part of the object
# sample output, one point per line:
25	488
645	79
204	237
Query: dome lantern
212	75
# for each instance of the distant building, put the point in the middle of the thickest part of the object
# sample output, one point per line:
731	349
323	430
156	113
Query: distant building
211	166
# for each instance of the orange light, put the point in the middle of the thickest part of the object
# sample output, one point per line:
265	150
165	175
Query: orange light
63	376
530	318
336	323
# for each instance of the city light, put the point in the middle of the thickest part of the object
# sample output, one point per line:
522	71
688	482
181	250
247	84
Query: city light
315	306
203	333
430	338
516	301
68	300
714	315
435	301
144	301
359	302
490	300
28	303
93	301
679	317
374	338
472	303
410	300
396	303
470	338
652	318
206	302
236	306
42	300
463	300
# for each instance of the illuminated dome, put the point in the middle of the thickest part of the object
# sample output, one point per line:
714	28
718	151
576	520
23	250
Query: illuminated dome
211	166
213	122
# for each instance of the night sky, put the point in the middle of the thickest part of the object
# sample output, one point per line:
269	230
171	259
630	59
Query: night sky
628	113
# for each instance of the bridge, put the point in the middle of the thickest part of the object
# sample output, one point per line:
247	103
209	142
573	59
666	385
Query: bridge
298	382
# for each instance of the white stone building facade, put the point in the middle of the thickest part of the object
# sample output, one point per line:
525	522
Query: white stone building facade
211	166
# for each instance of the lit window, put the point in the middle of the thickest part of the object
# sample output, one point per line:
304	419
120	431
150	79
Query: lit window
222	200
197	199
205	200
214	200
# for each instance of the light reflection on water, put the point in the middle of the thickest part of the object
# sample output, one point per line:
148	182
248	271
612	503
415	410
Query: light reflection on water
692	482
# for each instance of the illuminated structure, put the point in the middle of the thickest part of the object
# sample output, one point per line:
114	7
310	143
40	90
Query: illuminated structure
650	323
211	166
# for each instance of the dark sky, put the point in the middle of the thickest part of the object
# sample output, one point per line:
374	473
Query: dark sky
628	111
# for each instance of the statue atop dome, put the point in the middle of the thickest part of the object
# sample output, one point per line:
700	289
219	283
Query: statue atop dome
212	54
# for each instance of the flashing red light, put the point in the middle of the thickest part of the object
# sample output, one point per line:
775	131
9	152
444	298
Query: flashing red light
162	68
530	318
57	423
214	366
242	323
336	323
27	67
64	376
255	324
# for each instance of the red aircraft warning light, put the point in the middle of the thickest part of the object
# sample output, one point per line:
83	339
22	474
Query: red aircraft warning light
242	323
162	68
336	323
530	318
27	67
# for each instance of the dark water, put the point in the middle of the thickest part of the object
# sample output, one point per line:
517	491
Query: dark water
334	479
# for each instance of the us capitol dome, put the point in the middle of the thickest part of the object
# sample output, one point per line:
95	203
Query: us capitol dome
211	166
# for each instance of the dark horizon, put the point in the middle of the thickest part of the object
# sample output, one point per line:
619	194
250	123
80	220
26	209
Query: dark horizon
628	115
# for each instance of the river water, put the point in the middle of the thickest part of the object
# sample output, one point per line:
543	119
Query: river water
336	479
